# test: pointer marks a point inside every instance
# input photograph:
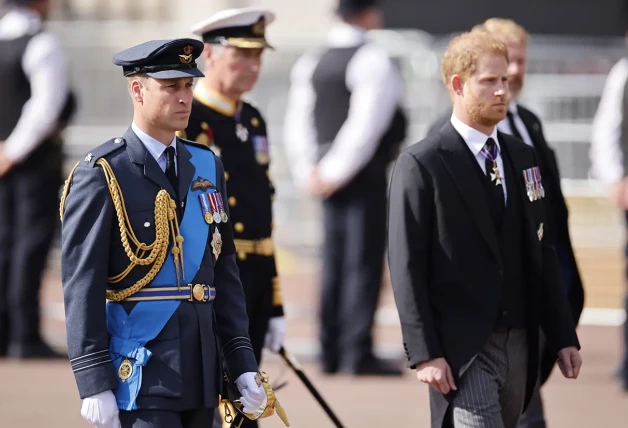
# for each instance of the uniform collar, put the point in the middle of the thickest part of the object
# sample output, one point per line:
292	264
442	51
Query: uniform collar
475	139
215	100
154	147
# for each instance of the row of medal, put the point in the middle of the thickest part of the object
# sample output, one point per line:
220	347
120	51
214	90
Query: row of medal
213	207
534	186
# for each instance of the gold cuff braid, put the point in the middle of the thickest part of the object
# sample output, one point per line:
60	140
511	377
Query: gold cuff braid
166	223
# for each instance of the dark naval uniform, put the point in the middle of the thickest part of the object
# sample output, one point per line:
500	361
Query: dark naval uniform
181	366
236	132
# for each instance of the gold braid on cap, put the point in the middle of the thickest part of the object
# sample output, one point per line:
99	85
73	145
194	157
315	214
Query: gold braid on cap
166	223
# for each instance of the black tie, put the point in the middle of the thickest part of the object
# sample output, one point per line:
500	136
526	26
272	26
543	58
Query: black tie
171	172
511	122
497	191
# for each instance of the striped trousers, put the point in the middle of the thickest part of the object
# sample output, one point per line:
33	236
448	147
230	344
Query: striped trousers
491	391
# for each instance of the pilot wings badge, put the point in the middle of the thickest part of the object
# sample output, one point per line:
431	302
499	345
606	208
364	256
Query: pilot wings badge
202	184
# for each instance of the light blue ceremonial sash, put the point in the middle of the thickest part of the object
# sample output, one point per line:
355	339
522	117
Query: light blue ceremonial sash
129	333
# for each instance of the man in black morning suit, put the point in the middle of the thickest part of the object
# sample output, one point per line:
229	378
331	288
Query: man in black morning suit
473	270
525	125
139	231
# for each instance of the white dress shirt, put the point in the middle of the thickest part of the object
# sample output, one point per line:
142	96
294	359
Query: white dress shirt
45	65
475	141
156	148
607	159
376	91
504	125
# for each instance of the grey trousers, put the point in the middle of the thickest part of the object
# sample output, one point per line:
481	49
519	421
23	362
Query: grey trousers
491	391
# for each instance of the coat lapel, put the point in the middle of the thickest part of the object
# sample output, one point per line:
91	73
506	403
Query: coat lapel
459	162
140	156
186	169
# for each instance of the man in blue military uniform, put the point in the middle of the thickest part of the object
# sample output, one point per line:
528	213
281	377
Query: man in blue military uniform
235	130
144	226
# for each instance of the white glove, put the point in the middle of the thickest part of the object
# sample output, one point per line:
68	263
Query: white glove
275	334
253	395
101	410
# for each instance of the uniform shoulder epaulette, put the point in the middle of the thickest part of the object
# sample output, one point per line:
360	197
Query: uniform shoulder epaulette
103	150
194	143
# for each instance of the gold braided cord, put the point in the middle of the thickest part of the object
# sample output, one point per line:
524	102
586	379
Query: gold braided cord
166	222
66	189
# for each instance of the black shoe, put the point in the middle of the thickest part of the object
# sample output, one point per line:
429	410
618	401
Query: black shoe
36	350
373	366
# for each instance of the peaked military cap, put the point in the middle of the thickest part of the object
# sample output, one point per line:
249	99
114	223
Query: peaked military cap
162	59
242	28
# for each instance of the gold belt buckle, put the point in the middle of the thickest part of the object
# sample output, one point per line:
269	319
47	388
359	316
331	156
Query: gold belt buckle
198	292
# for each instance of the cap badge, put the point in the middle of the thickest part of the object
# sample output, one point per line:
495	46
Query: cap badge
186	57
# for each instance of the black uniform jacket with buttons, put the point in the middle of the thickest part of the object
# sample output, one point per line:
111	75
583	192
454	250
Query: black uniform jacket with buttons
445	261
236	132
185	370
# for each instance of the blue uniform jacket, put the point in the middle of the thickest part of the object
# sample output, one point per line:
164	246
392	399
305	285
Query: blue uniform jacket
185	370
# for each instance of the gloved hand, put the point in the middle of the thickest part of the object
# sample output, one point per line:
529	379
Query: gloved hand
275	334
253	395
101	410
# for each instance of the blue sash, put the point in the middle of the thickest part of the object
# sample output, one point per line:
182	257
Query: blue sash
129	333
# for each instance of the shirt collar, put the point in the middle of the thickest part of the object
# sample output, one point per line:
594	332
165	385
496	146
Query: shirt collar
512	107
154	147
474	138
345	35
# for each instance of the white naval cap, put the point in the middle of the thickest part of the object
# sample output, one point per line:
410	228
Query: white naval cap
242	27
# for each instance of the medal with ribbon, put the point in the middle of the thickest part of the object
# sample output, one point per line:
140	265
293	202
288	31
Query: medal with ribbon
221	208
206	208
214	204
537	175
495	175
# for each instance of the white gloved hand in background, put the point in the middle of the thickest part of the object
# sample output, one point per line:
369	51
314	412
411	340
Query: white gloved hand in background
253	395
101	410
276	334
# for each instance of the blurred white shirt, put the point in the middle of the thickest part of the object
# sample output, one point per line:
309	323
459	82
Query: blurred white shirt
606	154
376	92
45	65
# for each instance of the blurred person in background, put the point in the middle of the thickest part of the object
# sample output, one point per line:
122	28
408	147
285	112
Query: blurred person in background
609	160
236	131
342	127
475	274
525	125
35	106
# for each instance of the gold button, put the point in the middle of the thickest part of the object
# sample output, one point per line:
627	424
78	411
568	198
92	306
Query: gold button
226	176
241	255
239	227
232	201
255	122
